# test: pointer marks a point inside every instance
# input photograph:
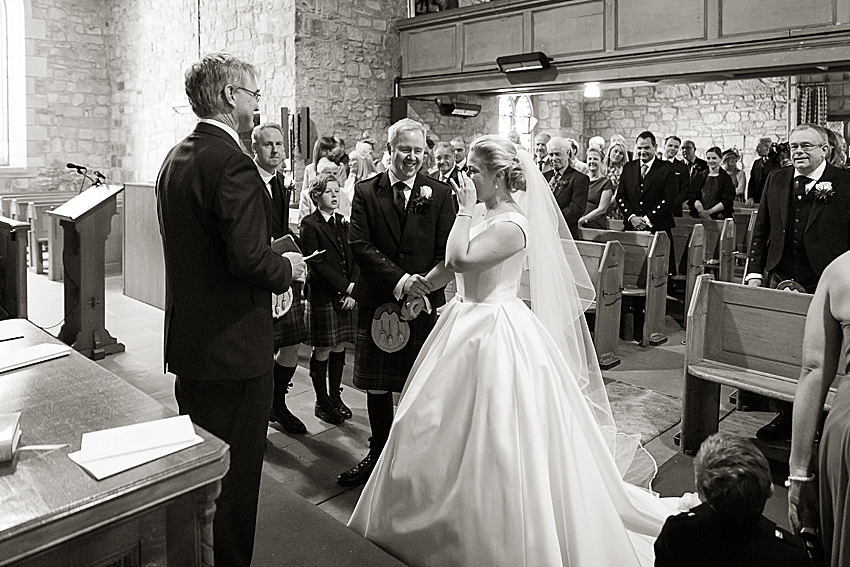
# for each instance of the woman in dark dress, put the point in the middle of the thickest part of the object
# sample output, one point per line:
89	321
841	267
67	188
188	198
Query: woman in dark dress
599	195
330	307
713	193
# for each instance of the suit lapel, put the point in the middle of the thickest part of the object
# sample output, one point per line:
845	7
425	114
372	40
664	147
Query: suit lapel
651	174
327	229
785	194
385	199
411	216
819	204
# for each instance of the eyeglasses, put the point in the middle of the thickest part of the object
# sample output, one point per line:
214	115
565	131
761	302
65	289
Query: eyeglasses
255	94
805	146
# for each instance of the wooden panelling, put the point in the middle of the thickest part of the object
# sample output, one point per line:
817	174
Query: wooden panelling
649	22
484	40
756	16
570	29
144	262
432	50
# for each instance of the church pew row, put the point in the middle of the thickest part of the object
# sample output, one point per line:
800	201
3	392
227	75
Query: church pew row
18	214
39	235
644	274
13	268
18	204
741	336
720	244
605	264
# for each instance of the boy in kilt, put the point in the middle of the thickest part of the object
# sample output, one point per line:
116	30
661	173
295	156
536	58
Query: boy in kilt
330	306
400	222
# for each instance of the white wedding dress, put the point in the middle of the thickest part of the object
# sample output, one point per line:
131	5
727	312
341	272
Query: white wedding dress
495	458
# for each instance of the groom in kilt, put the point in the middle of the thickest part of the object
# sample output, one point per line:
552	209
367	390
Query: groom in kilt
400	222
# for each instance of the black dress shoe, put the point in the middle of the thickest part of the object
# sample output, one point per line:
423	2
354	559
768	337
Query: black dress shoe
289	422
777	430
327	412
340	406
359	474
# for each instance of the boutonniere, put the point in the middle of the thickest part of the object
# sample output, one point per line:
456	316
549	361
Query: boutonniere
423	201
824	190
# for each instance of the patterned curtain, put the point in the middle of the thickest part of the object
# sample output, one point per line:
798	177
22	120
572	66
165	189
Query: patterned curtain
812	104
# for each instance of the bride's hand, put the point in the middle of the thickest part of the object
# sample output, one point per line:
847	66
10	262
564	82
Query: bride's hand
466	195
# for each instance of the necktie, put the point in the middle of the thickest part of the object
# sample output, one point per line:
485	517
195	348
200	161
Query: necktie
331	221
399	199
800	183
643	169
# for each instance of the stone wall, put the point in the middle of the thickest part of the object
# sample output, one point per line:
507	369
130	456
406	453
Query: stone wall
444	128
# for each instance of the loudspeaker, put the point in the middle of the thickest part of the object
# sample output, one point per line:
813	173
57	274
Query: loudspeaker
398	110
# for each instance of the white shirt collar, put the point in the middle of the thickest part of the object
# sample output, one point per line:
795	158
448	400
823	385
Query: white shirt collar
267	178
325	215
224	127
648	164
408	184
814	176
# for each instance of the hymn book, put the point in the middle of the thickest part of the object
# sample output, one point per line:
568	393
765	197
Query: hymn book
10	435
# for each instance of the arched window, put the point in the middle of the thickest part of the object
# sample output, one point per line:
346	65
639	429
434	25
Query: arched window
13	87
516	113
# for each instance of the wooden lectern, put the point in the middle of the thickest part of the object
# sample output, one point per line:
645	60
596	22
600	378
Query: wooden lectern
86	221
13	267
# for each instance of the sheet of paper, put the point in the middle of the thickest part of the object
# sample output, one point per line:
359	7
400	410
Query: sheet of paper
32	355
107	452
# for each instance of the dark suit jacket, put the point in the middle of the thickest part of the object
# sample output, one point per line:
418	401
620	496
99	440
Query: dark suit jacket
384	251
571	195
454	175
758	175
726	195
827	232
698	538
215	221
654	197
333	271
683	184
699	165
280	210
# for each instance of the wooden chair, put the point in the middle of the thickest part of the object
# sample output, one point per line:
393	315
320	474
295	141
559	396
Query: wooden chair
605	264
644	274
744	337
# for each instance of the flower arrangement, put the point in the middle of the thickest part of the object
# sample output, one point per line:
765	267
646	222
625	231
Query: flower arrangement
824	190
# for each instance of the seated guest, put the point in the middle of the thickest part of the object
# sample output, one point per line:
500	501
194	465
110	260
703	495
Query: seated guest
713	193
728	529
599	195
729	162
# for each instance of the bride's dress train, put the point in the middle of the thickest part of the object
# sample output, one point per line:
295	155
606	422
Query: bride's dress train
495	458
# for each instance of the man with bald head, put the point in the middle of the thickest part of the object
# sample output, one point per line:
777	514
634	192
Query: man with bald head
569	186
541	154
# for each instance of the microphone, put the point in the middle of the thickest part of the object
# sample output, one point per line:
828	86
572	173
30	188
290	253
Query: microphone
80	168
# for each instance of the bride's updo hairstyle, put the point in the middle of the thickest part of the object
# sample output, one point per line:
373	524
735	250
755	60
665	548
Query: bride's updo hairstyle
498	154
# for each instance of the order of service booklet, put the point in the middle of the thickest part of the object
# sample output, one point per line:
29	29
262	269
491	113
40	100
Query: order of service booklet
10	435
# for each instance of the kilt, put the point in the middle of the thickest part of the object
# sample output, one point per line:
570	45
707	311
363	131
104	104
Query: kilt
291	329
375	369
329	327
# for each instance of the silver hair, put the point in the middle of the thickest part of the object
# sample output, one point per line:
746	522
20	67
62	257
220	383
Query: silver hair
206	79
255	133
403	125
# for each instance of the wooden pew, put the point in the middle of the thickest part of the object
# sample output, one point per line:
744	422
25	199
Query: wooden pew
644	274
605	264
744	337
720	243
6	199
696	263
742	253
18	205
13	268
39	234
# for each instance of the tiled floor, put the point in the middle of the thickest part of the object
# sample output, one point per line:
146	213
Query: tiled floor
309	464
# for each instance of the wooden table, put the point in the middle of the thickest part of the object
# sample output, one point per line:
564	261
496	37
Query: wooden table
53	513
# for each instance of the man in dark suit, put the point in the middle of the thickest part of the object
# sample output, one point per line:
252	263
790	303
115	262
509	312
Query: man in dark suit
400	222
569	186
290	330
541	152
694	163
220	272
459	148
803	224
446	169
648	191
762	166
680	171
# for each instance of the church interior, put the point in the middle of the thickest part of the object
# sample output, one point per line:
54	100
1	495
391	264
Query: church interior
100	83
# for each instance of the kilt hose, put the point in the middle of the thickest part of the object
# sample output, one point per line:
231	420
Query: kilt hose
375	369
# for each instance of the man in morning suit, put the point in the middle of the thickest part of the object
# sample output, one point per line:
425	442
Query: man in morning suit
569	186
680	170
803	224
290	330
220	271
762	167
400	222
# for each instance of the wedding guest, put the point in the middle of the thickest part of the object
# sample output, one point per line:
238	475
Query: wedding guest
729	163
330	306
340	157
323	148
728	529
600	194
324	167
837	149
689	155
713	192
680	170
576	163
618	138
597	142
541	154
825	343
762	166
220	271
459	147
569	186
393	251
513	136
615	158
267	143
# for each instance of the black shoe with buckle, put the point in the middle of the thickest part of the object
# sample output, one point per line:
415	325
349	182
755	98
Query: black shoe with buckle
289	422
359	474
327	412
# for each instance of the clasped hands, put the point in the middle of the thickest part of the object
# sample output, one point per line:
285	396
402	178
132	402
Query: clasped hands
638	222
415	289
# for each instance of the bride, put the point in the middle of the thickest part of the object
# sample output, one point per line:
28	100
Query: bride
503	451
